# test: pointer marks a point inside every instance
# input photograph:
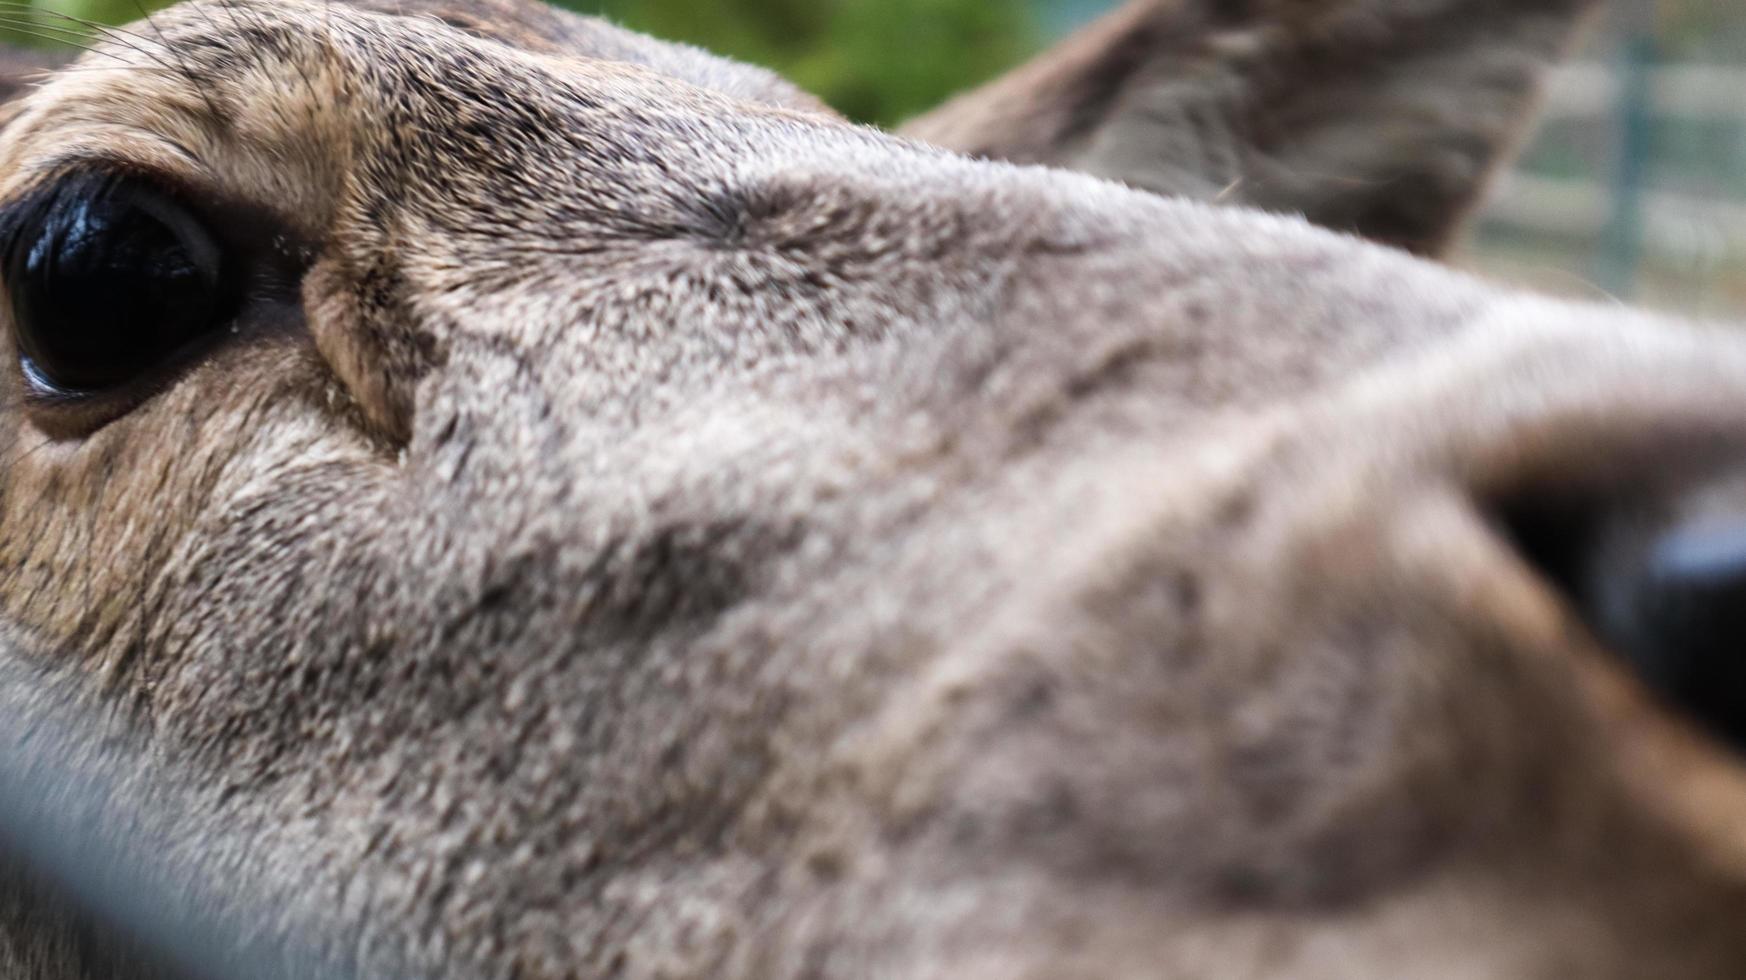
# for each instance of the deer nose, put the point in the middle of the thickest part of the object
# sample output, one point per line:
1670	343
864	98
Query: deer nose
1672	603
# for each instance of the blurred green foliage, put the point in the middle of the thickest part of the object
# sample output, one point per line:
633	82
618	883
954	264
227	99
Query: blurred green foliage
876	60
99	11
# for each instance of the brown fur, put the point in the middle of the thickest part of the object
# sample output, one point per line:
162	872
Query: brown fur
677	533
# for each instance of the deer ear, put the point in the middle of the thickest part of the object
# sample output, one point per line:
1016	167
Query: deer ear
1379	117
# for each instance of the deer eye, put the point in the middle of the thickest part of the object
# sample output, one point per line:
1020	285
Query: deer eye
108	279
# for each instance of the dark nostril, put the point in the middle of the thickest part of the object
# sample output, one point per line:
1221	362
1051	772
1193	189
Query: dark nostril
1679	617
1662	582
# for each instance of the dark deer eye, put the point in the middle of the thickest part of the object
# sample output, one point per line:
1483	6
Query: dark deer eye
108	279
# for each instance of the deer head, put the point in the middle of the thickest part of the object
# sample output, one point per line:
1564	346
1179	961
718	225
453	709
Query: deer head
571	506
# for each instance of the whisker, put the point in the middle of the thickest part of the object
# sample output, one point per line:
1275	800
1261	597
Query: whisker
69	37
26	29
62	34
187	69
123	38
135	42
45	74
27	454
116	34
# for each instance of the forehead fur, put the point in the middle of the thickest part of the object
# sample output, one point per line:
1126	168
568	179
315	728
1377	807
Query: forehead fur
274	101
542	27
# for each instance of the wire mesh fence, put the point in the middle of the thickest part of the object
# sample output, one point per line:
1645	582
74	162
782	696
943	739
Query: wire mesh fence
1634	185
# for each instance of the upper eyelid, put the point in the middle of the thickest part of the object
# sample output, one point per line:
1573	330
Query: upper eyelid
22	203
236	222
188	169
93	148
107	124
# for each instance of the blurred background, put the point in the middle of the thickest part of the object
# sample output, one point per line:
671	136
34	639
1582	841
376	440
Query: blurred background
1633	186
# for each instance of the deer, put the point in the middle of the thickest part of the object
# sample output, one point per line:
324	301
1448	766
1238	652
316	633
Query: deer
490	494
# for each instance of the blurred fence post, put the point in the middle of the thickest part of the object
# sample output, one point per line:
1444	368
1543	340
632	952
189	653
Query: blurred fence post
1622	245
1060	16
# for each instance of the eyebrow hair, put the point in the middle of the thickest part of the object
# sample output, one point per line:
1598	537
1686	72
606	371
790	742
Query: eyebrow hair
72	817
